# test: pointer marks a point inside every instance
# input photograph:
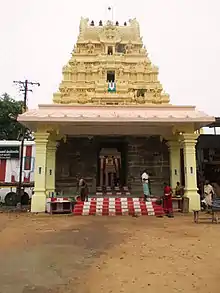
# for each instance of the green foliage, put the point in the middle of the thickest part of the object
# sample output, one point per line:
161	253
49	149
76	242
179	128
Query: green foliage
10	129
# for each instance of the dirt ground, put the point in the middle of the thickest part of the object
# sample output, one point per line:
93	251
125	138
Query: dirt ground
42	254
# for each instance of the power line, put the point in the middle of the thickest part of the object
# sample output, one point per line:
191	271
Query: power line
25	89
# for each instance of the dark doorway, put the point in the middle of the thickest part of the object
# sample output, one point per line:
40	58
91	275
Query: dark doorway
110	76
113	143
110	50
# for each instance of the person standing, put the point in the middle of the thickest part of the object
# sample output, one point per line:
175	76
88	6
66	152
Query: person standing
144	176
167	200
84	191
208	194
179	190
145	184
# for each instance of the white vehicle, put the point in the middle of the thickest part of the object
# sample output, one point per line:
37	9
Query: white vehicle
10	169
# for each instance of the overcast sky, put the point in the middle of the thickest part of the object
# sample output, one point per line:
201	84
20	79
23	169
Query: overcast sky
181	36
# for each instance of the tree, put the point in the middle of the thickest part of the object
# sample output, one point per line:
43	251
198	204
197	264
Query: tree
10	128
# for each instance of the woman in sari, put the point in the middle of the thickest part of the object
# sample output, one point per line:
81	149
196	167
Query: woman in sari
167	200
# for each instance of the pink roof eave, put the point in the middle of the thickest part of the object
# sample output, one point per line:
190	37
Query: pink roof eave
114	114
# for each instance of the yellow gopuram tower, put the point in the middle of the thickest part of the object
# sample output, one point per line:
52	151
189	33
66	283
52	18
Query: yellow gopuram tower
110	66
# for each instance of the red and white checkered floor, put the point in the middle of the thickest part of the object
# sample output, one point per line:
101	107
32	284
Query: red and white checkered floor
117	206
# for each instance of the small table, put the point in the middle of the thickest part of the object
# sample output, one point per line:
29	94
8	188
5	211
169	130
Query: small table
60	205
182	204
179	201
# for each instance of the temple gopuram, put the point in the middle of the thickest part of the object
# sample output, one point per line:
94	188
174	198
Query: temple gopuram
110	120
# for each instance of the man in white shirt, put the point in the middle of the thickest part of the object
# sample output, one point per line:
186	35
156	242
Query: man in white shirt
145	183
208	193
144	177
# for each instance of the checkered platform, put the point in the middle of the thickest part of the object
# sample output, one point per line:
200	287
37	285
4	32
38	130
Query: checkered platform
117	206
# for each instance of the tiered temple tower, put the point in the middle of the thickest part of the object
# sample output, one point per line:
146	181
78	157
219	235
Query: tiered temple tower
110	66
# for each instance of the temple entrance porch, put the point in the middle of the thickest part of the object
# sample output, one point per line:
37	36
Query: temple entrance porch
112	164
153	136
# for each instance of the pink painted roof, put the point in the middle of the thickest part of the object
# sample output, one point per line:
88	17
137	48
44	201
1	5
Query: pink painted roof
159	113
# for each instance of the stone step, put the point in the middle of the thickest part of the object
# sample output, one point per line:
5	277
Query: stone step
118	206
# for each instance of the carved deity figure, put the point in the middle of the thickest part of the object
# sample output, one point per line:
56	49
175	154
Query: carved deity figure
120	71
65	91
143	51
66	68
101	71
82	66
156	92
83	98
129	48
110	33
111	170
90	48
76	49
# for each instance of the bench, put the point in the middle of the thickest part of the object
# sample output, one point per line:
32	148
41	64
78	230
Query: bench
213	213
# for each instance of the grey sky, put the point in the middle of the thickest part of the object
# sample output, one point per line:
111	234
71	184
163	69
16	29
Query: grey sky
182	38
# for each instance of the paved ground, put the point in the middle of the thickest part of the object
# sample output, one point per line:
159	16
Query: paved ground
42	254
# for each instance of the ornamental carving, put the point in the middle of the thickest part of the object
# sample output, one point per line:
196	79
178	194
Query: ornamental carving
129	48
65	91
83	99
90	48
156	92
143	51
101	71
66	68
109	34
76	50
140	100
120	71
81	66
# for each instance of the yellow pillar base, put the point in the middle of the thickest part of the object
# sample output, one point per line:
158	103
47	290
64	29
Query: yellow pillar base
194	199
38	202
189	142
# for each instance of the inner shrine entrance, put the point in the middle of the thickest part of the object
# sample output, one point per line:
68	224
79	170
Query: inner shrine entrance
112	165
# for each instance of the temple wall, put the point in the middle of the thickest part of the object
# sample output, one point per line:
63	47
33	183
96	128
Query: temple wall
78	156
151	154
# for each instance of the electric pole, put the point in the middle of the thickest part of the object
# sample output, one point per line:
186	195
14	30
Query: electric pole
23	88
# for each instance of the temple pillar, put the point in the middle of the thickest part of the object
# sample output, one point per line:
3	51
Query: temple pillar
51	166
38	202
175	167
189	148
101	158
